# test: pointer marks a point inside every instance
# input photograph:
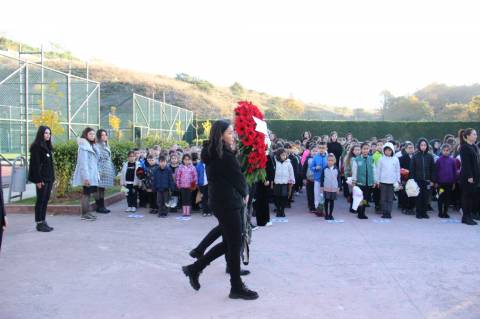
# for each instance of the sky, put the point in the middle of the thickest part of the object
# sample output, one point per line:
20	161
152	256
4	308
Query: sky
341	53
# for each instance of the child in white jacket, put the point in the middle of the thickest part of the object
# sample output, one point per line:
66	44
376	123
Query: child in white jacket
388	175
284	176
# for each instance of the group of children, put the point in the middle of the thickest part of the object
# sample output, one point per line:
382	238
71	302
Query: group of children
164	183
325	166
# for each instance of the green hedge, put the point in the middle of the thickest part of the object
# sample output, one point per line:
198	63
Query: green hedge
363	130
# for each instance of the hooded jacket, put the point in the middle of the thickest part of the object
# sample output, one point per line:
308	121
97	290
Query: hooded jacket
227	186
320	160
87	164
446	169
388	167
422	165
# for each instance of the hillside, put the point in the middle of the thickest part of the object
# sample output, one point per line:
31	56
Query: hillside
435	102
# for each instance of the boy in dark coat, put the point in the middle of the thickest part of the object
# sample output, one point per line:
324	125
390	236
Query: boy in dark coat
163	184
423	172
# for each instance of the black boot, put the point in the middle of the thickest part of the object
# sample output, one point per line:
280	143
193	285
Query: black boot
193	276
476	216
194	253
242	292
47	225
101	206
468	221
42	227
361	213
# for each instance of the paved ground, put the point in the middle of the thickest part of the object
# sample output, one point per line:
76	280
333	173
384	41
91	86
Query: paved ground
120	267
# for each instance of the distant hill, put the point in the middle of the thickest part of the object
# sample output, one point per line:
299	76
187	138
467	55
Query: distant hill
434	102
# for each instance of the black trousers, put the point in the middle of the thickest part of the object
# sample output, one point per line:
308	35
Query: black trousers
43	196
162	197
376	197
280	203
422	200
205	207
132	195
310	195
230	223
152	200
444	198
468	201
367	193
1	236
404	201
208	240
261	205
142	197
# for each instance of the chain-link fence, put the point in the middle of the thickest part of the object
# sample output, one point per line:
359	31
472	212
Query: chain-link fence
32	93
132	117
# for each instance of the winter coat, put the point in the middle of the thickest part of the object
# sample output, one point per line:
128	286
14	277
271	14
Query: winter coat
105	165
406	161
318	160
284	173
336	149
87	164
227	186
330	179
123	174
470	165
446	169
308	171
200	167
377	155
186	176
363	171
388	167
423	165
163	179
41	164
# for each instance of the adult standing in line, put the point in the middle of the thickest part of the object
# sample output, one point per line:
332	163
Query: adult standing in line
3	214
41	173
334	147
469	173
86	171
228	194
106	170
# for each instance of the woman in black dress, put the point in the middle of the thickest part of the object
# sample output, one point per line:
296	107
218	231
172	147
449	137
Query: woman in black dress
228	194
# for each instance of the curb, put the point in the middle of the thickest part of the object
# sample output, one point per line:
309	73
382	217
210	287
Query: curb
61	209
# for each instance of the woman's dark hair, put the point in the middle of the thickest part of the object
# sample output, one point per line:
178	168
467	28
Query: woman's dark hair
216	144
85	134
364	144
309	135
99	134
279	153
463	133
40	139
194	156
130	153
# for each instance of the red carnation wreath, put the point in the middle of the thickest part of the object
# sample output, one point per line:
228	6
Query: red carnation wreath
253	157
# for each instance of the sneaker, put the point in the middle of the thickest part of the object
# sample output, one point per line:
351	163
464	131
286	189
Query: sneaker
255	227
47	225
128	210
205	215
210	214
242	292
88	217
469	221
133	209
153	211
269	224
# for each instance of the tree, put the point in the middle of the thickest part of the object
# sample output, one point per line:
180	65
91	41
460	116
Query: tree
408	109
455	112
387	97
273	113
474	107
293	107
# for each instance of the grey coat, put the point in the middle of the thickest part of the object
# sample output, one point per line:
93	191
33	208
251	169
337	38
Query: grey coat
106	170
86	168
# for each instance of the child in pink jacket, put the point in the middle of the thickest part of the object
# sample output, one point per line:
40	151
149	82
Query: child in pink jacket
186	179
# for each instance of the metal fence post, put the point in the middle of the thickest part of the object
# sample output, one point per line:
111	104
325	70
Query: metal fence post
69	111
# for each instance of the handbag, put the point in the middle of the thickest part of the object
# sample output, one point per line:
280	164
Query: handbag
198	198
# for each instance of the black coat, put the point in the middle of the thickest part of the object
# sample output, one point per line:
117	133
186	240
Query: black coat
422	167
227	186
41	164
470	167
406	161
337	150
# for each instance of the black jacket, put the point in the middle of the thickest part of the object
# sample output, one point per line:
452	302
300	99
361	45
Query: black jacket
470	167
227	186
337	150
406	161
423	165
41	164
270	169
